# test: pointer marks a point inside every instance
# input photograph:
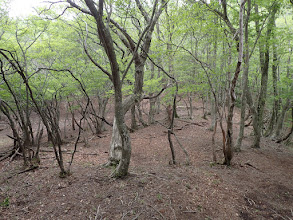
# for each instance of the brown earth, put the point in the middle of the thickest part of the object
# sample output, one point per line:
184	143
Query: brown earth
258	185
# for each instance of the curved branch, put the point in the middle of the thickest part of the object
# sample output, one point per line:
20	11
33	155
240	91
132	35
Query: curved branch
143	11
224	15
93	61
155	96
82	88
124	32
74	5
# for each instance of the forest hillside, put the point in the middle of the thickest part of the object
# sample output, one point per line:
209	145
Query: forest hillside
160	109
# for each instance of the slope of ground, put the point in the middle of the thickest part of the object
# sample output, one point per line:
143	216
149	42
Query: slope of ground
258	185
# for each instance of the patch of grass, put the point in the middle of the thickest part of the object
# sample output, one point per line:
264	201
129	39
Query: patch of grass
215	182
187	186
159	196
212	164
199	208
5	202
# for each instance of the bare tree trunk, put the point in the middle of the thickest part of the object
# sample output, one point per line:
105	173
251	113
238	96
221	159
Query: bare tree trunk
229	135
214	144
265	59
152	111
72	120
17	139
190	105
139	116
214	116
204	113
213	104
139	62
244	82
133	120
275	111
160	58
289	136
115	146
139	58
277	131
107	42
102	111
126	105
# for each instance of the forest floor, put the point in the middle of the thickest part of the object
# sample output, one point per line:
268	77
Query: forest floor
258	184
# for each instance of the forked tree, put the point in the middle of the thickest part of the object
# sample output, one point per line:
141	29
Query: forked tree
120	150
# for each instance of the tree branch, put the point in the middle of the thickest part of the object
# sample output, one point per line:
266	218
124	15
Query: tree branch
90	57
142	10
224	15
157	95
74	5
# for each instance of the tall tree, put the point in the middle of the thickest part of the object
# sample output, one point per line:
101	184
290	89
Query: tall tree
120	149
244	79
139	51
264	53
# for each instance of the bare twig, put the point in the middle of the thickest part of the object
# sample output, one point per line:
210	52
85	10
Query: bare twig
190	211
181	146
24	171
136	217
163	217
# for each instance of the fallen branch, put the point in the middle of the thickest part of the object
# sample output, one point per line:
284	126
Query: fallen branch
7	152
277	214
13	138
190	211
250	201
5	157
94	154
201	124
153	175
51	151
24	171
157	211
192	123
14	154
249	164
136	217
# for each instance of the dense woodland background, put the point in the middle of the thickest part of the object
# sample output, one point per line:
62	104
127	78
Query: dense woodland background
82	73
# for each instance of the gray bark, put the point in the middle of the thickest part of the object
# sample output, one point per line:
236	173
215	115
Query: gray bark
214	115
107	43
190	106
139	62
152	111
133	120
277	131
116	145
228	148
244	82
275	111
102	111
264	60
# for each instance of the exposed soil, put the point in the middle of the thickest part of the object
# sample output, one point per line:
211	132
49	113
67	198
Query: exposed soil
258	185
